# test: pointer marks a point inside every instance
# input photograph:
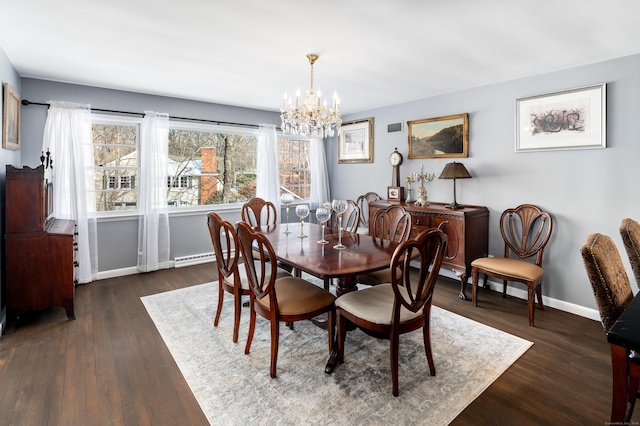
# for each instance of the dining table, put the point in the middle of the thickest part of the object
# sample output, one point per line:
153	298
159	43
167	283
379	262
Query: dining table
361	254
623	337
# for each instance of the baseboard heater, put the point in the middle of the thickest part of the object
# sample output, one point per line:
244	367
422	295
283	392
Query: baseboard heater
194	259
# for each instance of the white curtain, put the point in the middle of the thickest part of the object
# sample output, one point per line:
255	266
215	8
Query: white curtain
267	171
319	176
153	219
67	135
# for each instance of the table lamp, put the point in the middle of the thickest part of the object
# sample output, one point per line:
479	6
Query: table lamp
454	171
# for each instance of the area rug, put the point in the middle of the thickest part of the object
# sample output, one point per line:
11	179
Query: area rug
235	389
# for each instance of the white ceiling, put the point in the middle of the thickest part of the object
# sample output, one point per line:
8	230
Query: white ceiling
248	52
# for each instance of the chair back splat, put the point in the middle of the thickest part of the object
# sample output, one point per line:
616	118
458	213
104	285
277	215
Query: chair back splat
363	204
258	212
630	233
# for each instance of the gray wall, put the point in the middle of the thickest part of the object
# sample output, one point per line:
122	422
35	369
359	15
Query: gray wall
7	75
585	190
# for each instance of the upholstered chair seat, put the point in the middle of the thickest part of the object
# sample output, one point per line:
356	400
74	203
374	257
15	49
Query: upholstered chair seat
377	277
513	267
376	304
297	296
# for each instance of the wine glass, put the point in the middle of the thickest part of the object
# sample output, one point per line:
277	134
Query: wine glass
287	199
339	206
323	214
302	211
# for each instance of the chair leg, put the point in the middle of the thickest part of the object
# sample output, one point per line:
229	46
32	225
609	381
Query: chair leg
327	283
220	299
539	294
530	303
395	343
474	286
237	308
504	288
275	338
631	395
426	334
252	326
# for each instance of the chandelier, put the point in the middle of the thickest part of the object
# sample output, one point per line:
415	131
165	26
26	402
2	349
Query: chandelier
311	119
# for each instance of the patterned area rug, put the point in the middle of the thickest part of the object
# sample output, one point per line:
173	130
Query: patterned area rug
235	389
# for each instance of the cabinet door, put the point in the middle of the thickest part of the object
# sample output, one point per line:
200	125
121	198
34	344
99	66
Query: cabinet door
454	229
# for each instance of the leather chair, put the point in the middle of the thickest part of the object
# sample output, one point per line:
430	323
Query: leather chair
401	306
350	218
258	212
232	276
612	291
363	204
391	224
285	299
630	233
525	230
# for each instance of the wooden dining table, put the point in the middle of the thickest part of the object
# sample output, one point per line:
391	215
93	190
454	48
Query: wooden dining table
361	254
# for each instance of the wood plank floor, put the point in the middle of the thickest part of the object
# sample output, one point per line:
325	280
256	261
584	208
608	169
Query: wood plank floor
110	365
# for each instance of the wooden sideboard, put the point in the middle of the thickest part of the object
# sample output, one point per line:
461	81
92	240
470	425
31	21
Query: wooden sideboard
40	251
467	230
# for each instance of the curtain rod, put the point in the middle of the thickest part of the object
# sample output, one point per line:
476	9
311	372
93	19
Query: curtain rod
27	103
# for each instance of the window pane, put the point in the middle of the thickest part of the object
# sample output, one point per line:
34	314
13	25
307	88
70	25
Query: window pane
116	166
295	174
210	167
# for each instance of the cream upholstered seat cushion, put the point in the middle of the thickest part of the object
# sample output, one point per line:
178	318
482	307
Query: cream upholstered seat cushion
297	296
375	304
514	267
244	280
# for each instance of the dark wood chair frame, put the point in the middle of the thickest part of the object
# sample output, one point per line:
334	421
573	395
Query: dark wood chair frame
428	249
252	212
535	230
257	250
227	252
363	204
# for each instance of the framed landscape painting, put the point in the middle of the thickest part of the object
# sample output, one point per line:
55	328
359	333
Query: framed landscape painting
572	119
440	137
355	141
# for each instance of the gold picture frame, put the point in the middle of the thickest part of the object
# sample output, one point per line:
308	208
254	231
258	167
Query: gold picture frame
11	118
440	137
355	141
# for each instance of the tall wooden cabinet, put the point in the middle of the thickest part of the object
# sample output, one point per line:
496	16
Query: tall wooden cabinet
467	230
40	251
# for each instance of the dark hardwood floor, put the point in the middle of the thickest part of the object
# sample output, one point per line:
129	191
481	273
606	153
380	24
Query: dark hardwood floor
110	365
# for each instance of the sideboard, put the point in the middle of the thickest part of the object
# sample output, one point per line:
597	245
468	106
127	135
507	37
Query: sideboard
467	230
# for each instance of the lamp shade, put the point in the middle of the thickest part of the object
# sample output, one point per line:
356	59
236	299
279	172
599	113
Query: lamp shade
454	171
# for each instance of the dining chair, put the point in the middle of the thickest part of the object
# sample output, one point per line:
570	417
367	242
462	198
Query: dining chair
232	276
258	212
350	218
525	230
393	224
612	291
363	204
286	299
630	233
401	306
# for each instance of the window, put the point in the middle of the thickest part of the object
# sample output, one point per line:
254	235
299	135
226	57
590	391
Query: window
295	174
207	164
115	145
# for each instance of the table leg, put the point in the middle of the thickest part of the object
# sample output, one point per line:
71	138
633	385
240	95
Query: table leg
345	285
619	370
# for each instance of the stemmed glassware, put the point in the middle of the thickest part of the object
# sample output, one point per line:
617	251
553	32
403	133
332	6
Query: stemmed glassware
287	199
339	206
302	211
323	214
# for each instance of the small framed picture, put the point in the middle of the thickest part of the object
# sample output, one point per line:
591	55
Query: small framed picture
355	142
11	119
395	193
